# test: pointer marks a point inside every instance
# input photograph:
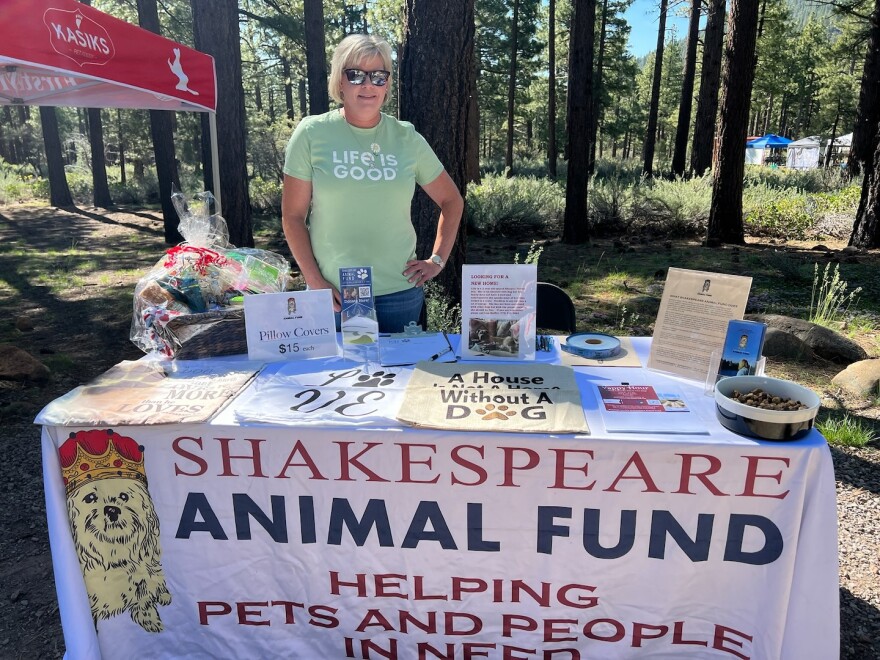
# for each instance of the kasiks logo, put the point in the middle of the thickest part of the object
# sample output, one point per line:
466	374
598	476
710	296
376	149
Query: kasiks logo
78	37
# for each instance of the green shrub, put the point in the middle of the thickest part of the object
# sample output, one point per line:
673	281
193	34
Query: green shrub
514	207
784	218
829	300
444	314
40	189
15	183
265	195
677	207
847	431
809	181
610	202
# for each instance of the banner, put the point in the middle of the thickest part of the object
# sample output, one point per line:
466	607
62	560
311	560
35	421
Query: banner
334	543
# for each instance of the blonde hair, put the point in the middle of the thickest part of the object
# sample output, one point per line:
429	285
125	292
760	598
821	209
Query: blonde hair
350	52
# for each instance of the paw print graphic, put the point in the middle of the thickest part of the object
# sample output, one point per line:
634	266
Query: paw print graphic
491	412
362	273
376	379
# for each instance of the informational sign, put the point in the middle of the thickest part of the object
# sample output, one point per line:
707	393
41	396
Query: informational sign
692	320
498	311
291	325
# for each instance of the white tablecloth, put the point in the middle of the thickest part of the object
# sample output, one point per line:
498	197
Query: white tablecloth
325	541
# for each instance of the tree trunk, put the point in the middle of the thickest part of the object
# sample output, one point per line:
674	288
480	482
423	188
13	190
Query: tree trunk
597	86
831	138
552	152
301	95
163	139
511	87
217	34
576	225
866	230
651	134
288	88
865	133
682	130
100	187
206	152
472	157
707	100
120	137
439	37
59	191
316	58
725	211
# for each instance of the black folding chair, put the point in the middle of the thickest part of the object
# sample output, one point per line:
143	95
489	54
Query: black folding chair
555	309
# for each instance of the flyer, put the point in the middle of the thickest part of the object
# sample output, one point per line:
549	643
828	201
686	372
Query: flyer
643	408
498	312
692	321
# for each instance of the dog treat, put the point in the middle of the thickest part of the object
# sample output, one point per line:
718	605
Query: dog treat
758	398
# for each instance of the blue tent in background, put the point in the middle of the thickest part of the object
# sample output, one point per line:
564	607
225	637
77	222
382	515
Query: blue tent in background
769	141
760	151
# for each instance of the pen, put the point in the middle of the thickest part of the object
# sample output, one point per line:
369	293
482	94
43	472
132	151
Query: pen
441	353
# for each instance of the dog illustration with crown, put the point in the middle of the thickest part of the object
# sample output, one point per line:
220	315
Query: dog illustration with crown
115	526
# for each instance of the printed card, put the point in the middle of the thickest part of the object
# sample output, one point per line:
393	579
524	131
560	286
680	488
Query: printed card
290	325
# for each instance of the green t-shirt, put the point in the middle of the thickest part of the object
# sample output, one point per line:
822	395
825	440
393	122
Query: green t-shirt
363	181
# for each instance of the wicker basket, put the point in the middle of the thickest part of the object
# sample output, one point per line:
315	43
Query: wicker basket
209	334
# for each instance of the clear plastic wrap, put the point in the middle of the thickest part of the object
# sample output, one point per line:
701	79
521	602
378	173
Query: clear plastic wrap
202	278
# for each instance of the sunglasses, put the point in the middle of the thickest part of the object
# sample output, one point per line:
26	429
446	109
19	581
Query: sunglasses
358	76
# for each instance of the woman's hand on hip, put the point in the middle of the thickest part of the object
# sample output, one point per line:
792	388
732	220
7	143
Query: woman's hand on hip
321	283
418	272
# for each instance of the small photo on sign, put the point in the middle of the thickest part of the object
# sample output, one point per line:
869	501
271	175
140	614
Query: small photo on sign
498	337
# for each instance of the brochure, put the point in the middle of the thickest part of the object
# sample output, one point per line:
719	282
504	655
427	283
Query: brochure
358	318
642	408
498	312
692	321
743	345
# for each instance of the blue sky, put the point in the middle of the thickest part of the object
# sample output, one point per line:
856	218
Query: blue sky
642	17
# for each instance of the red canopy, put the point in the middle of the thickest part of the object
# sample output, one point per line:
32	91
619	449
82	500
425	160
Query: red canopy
65	53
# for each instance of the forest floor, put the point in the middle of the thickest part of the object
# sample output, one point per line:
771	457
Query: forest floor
66	283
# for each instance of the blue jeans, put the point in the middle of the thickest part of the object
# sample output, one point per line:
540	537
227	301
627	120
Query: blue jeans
395	310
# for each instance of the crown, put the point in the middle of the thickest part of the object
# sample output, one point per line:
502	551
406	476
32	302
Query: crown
88	456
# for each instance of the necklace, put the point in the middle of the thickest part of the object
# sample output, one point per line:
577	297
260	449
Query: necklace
368	155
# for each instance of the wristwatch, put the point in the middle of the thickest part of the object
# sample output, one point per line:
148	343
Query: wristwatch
437	259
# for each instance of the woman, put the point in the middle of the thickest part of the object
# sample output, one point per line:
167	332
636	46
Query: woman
356	168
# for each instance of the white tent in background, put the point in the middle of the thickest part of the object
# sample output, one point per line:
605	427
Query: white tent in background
844	141
803	154
754	156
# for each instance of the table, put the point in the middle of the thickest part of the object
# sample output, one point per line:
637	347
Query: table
323	541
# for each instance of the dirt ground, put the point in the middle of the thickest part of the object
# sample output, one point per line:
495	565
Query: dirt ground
66	283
